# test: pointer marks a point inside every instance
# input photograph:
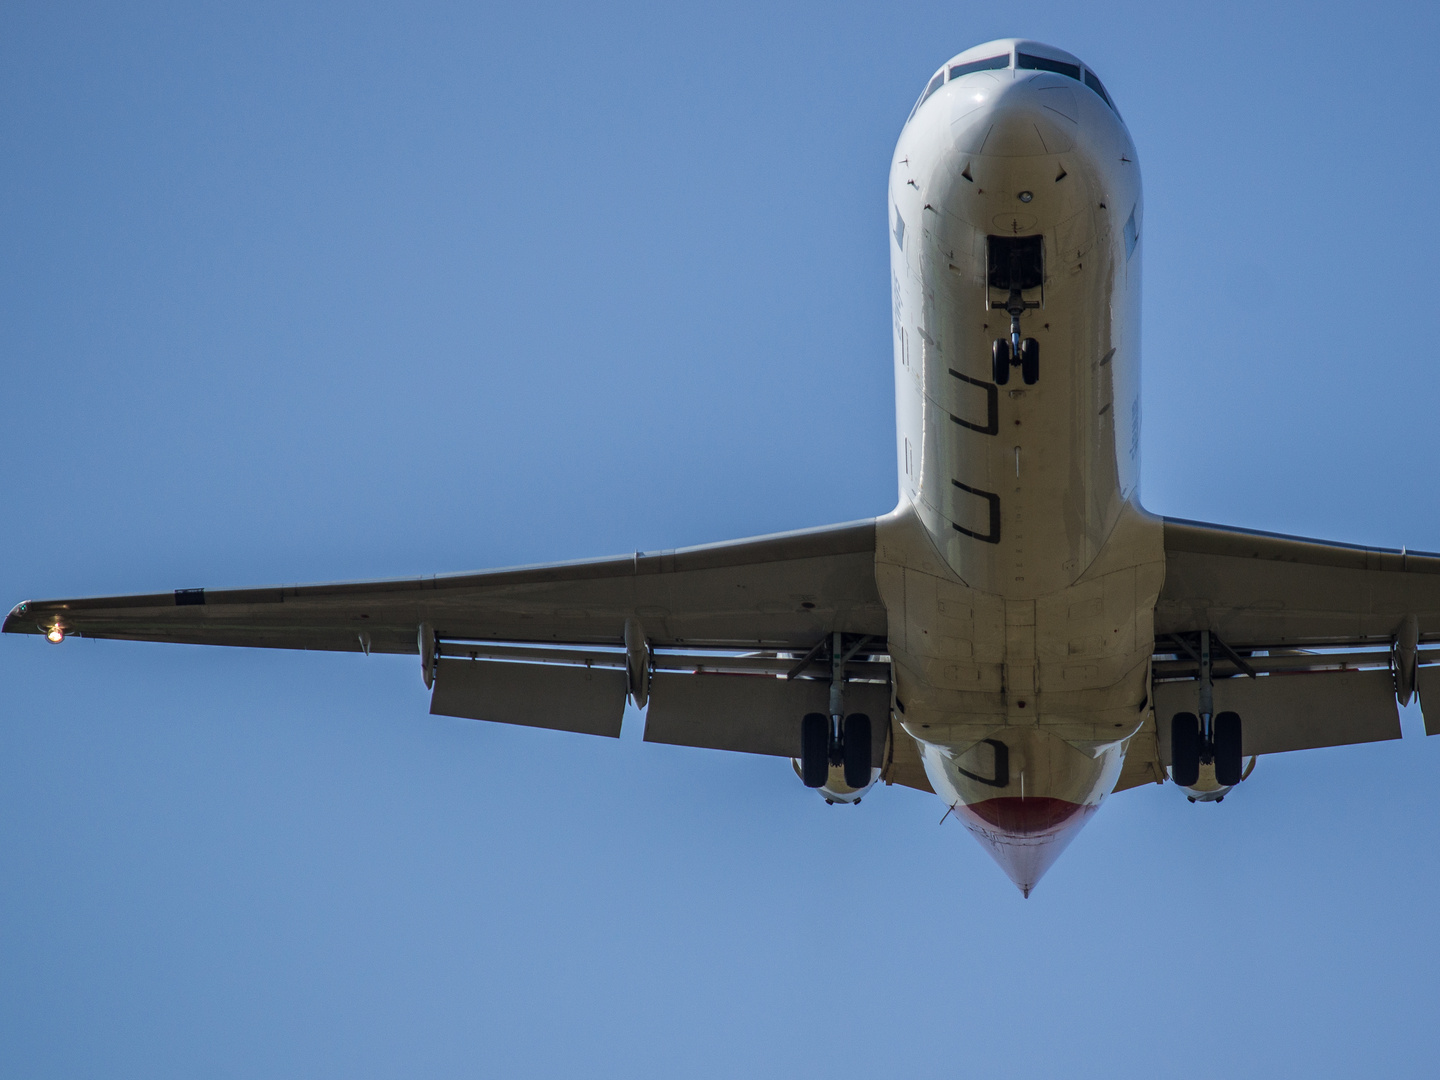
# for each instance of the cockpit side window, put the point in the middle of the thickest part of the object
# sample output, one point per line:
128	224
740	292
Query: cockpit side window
1094	83
935	84
1044	63
991	63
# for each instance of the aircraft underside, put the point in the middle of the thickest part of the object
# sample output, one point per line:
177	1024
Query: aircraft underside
1019	635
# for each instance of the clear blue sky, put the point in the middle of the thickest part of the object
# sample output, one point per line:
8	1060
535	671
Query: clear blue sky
302	292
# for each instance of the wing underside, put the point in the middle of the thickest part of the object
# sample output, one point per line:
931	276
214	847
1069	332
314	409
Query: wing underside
1313	643
730	643
778	591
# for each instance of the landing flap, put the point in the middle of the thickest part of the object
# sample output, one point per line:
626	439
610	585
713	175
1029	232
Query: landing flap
1427	683
754	714
588	700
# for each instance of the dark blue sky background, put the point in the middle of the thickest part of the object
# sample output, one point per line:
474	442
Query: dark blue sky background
307	292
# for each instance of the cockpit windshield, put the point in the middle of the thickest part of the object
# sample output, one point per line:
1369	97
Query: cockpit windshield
993	63
1044	63
1030	62
1023	61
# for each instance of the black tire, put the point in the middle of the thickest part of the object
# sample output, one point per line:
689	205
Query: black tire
815	749
857	750
1030	361
1185	748
1000	361
1228	759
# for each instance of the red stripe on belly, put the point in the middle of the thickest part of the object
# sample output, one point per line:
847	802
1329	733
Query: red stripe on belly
1024	817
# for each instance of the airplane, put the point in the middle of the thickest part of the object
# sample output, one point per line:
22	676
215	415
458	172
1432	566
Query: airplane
1019	635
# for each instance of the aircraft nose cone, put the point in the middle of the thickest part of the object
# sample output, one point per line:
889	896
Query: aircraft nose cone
1025	836
1026	118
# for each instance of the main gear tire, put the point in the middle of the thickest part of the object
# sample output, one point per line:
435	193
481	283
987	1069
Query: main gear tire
1185	749
815	749
1228	759
857	750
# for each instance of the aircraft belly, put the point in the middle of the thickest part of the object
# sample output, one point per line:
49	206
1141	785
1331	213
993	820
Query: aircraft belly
1075	661
1027	482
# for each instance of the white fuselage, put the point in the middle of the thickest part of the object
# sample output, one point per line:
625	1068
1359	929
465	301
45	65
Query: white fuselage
1018	570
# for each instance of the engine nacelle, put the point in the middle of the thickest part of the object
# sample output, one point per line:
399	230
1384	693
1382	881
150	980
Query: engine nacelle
835	789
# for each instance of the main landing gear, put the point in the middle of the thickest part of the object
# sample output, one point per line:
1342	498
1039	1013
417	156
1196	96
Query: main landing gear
836	751
827	743
1209	739
1191	746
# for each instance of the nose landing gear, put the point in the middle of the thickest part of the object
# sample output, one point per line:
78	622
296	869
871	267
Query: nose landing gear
1015	264
1016	352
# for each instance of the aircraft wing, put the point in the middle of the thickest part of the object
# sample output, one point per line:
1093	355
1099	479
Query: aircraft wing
784	590
729	642
1313	643
1268	590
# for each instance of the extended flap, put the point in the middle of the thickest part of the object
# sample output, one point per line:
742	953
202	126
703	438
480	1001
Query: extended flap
588	700
1292	712
754	714
1427	683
